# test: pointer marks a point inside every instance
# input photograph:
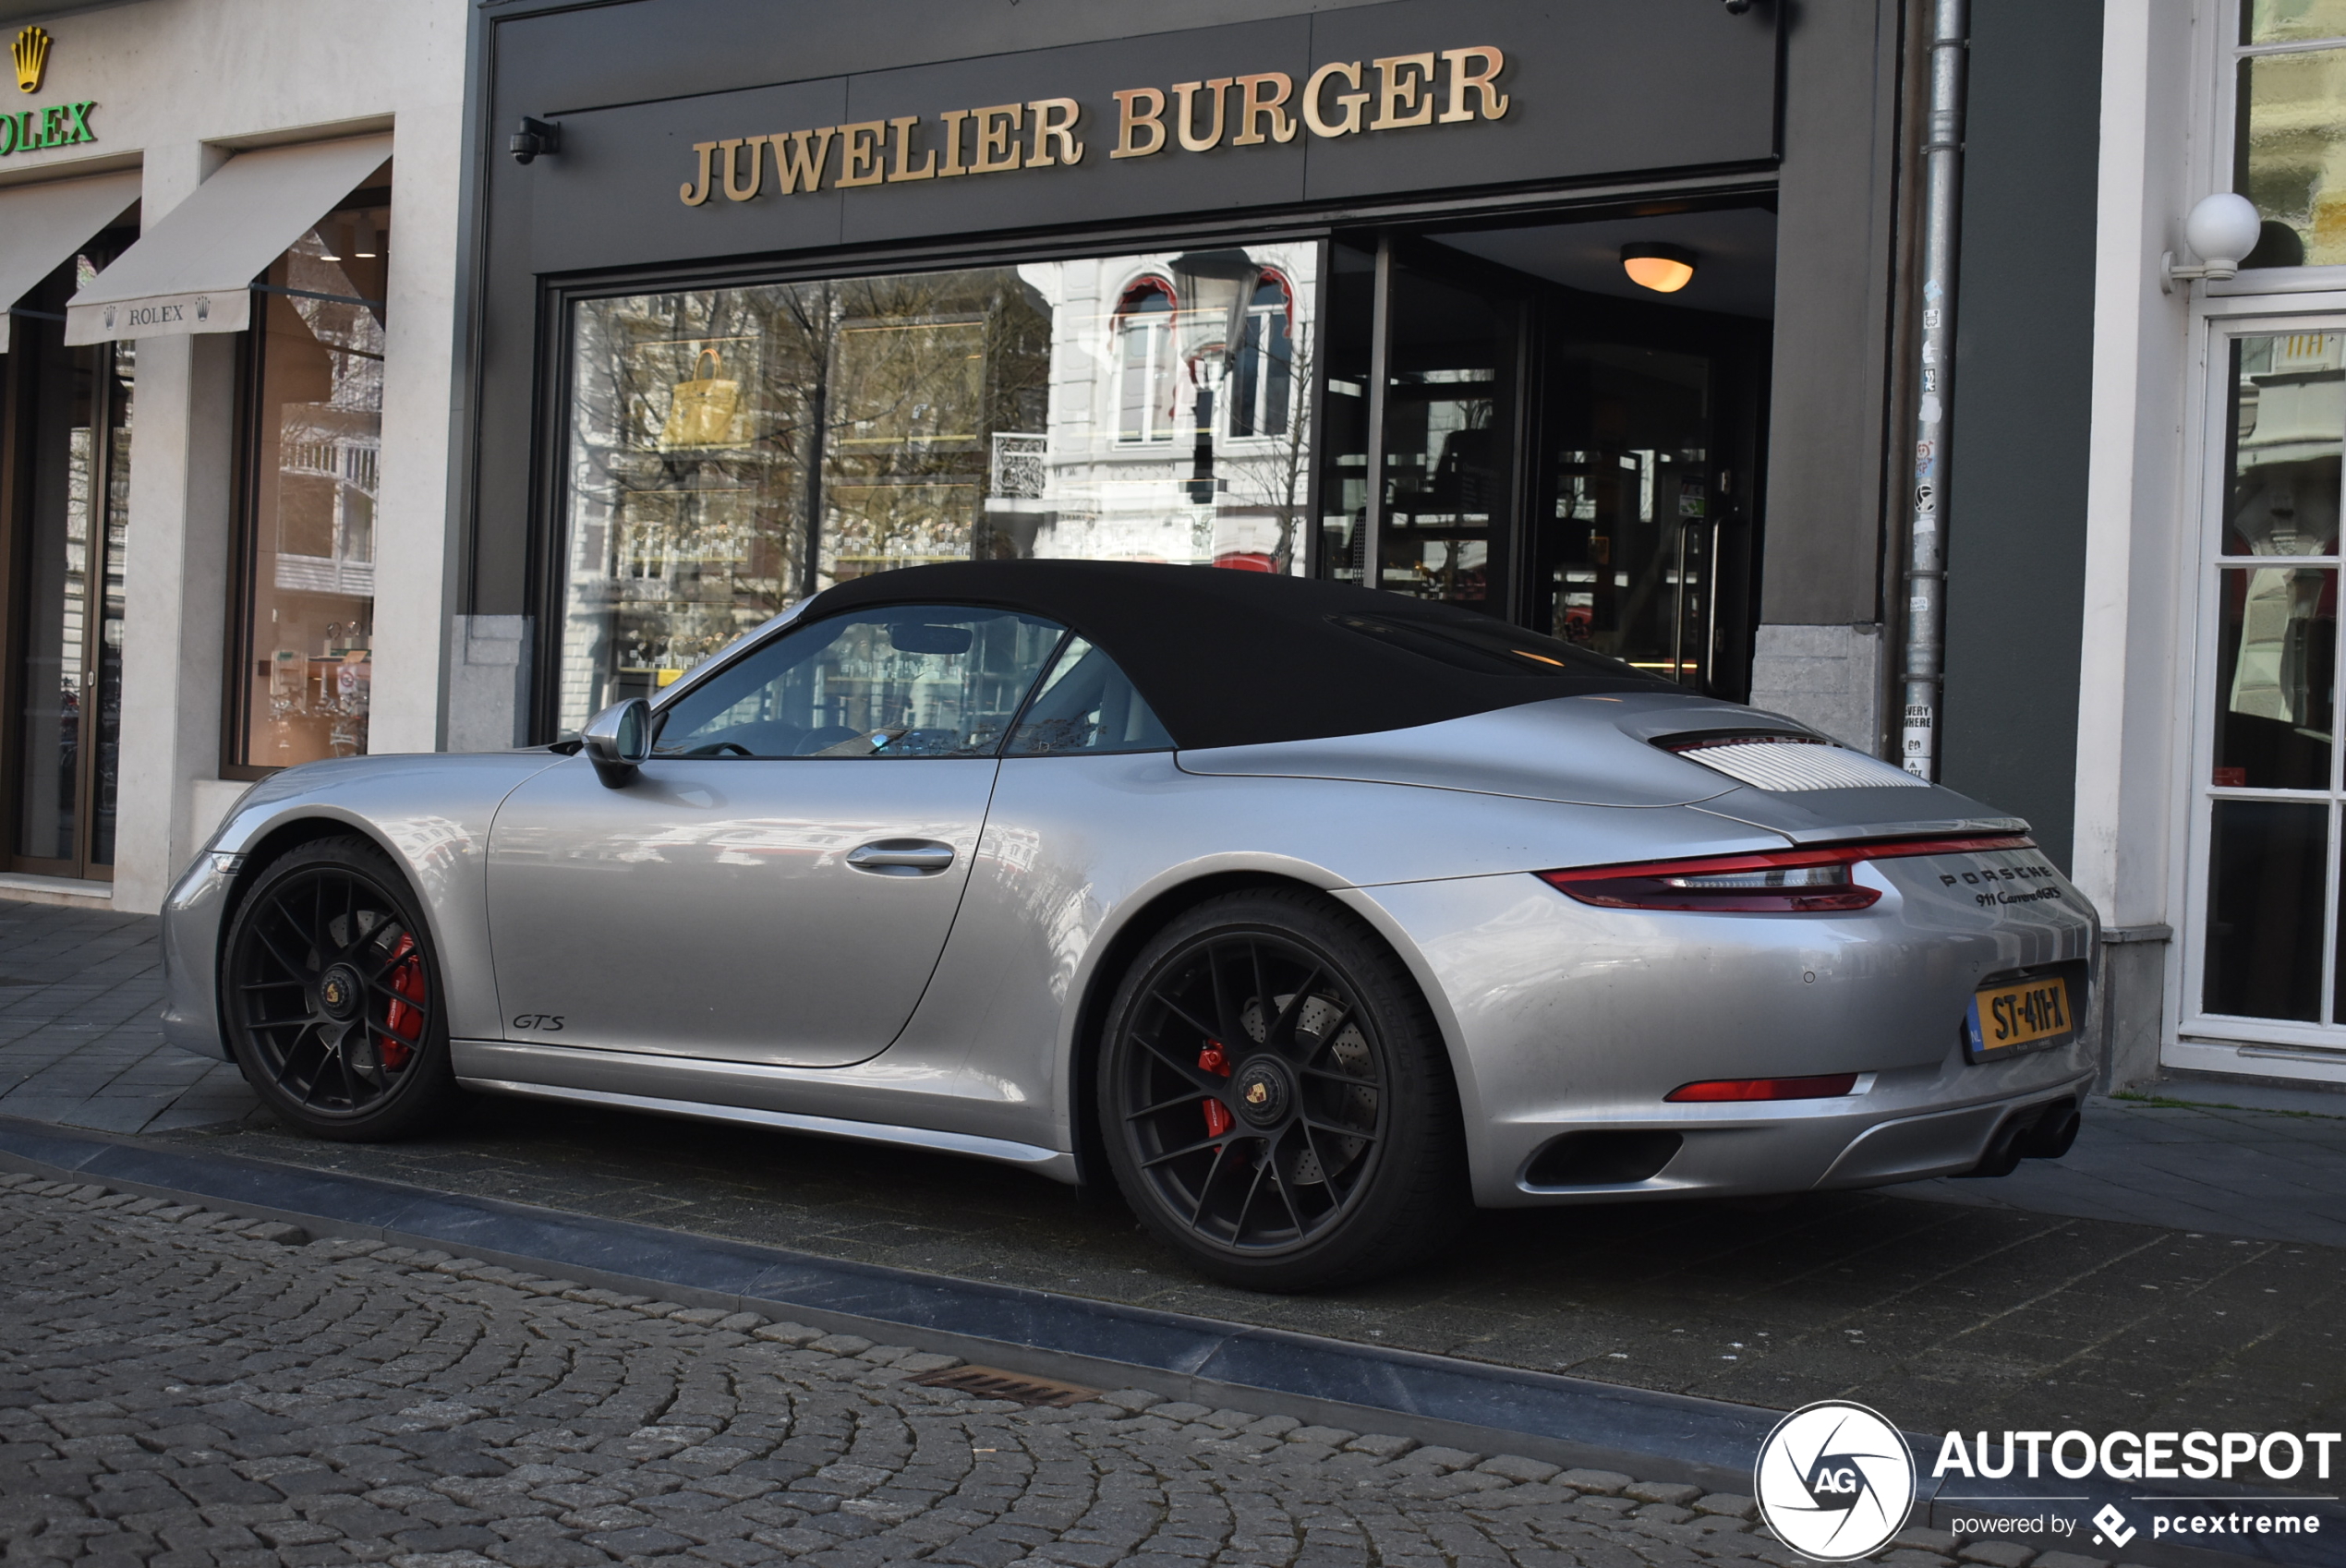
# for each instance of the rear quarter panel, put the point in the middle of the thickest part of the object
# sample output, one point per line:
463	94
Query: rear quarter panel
1076	847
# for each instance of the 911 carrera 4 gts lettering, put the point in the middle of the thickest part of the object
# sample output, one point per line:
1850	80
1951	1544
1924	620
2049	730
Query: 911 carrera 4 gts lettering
549	1024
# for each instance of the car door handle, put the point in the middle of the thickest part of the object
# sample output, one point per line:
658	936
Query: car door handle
901	857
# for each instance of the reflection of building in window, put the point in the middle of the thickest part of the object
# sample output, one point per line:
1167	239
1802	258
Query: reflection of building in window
1143	333
317	419
2290	147
326	486
2286	423
1263	377
732	449
904	449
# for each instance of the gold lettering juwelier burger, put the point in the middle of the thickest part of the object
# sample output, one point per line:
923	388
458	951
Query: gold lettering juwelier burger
1342	98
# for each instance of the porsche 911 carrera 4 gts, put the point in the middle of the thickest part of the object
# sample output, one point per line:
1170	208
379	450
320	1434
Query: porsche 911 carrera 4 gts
1305	915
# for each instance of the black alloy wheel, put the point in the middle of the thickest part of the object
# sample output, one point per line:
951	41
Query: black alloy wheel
1276	1102
331	994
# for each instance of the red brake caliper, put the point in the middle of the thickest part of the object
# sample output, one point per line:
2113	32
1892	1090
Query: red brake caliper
406	980
1218	1119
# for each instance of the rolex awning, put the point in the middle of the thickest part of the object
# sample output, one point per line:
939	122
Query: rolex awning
193	270
41	225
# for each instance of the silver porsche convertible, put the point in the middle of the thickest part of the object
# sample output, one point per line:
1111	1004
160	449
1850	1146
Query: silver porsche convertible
1305	915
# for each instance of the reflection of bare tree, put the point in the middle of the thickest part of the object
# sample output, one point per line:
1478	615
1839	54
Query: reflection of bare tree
1271	472
924	369
734	450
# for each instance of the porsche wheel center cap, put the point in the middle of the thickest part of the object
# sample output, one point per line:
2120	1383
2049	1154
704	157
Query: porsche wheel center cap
1263	1093
338	991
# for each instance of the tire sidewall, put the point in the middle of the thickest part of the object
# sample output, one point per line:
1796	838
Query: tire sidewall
1424	1133
424	1087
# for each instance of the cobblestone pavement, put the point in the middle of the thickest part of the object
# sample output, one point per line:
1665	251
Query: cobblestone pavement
182	1388
2000	1311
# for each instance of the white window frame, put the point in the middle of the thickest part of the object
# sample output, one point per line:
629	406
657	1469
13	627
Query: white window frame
2253	304
2216	1040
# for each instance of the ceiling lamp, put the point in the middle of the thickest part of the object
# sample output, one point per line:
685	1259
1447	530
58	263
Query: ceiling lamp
1665	269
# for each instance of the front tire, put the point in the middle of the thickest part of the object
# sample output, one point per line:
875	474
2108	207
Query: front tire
330	996
1276	1100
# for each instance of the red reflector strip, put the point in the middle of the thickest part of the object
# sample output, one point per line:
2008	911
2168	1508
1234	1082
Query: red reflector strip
1826	1086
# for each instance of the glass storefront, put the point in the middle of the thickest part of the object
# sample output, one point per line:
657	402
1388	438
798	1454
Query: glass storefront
2272	789
315	446
66	668
731	451
1403	413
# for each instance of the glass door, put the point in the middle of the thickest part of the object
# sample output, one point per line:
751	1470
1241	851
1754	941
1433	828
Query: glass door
1573	463
70	421
1624	562
2265	965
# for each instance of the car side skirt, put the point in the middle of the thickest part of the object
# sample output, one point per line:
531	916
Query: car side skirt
480	1066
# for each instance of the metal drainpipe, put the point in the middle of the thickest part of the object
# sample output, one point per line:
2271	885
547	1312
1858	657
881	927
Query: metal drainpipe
1926	543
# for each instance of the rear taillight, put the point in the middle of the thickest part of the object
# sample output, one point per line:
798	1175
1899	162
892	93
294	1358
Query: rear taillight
1805	881
1826	1086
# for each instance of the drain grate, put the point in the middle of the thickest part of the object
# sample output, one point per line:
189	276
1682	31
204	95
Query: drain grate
992	1382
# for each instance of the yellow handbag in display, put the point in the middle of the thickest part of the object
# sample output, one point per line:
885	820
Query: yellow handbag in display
704	411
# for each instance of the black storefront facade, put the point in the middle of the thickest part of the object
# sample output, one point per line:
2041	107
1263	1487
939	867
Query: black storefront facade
791	294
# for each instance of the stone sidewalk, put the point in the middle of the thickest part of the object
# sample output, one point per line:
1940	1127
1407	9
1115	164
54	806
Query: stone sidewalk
2182	1264
79	1046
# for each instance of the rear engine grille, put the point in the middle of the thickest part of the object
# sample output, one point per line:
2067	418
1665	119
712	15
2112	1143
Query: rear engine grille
1787	765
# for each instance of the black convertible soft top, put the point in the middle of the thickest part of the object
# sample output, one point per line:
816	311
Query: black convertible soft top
1234	659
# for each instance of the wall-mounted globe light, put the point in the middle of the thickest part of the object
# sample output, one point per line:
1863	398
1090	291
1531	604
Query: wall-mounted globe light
2221	229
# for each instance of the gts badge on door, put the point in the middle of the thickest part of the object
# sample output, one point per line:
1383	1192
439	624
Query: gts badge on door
548	1023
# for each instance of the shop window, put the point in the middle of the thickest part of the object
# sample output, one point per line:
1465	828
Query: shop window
2271	792
313	451
730	451
68	524
2289	144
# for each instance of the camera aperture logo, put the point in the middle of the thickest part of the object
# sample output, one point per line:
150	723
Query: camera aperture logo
1835	1481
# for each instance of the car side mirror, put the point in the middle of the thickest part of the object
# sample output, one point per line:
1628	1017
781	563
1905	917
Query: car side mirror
618	740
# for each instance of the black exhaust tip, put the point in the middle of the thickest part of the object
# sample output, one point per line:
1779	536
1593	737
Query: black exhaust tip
2001	1156
2051	1134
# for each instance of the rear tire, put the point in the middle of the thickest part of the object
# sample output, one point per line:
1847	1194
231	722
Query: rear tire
331	994
1276	1099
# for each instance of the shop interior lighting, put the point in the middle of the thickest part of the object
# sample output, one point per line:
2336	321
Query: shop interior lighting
363	242
1665	269
327	249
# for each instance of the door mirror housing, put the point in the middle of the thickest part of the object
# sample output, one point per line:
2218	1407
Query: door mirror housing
618	740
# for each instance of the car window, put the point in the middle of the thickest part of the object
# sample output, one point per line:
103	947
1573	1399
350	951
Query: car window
1087	704
894	681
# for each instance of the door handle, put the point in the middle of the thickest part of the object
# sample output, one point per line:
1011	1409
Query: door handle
901	857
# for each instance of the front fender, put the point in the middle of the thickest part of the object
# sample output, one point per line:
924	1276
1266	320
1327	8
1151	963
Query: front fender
429	812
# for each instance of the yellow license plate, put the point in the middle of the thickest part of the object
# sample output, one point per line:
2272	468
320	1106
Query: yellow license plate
2026	1015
